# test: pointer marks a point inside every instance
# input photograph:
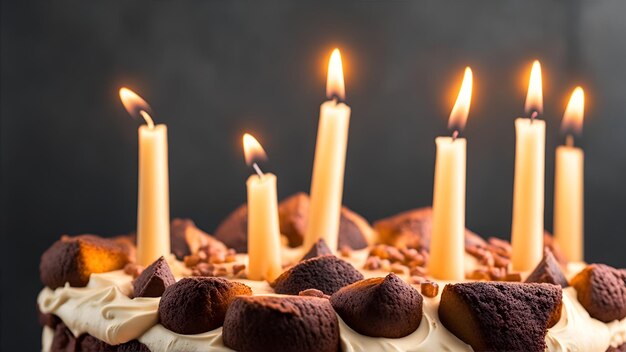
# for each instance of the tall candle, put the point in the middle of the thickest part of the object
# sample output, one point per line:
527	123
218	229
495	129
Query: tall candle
447	245
329	163
264	259
153	212
528	197
568	183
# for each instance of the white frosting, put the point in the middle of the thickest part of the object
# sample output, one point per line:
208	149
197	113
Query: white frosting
46	338
103	309
160	339
431	335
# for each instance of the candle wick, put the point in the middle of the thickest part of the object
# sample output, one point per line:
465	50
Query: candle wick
455	135
337	99
569	140
147	118
533	116
258	170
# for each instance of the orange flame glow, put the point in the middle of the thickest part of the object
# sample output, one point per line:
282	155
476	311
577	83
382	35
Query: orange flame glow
252	149
573	117
136	105
534	97
335	86
460	111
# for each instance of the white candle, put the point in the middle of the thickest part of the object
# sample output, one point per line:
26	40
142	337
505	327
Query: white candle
329	163
447	244
264	258
528	197
153	212
568	183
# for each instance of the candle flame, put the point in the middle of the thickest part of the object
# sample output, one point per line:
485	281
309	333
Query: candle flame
460	111
252	149
534	97
136	105
335	86
573	117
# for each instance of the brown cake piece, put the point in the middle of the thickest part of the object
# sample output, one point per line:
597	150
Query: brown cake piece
281	324
154	279
380	307
88	343
413	229
326	273
47	319
63	339
494	316
233	230
601	289
548	271
187	238
74	259
293	216
550	243
198	304
319	248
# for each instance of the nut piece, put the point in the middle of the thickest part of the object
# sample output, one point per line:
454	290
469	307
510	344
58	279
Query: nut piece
429	289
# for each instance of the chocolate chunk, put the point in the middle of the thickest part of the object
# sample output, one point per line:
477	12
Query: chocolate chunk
153	281
187	238
379	307
269	323
313	293
326	273
548	271
63	339
293	216
74	259
494	316
47	319
601	290
550	243
413	229
132	346
319	248
233	230
198	304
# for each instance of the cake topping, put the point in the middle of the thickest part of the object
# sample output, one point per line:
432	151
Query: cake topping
198	304
326	273
153	281
293	217
548	271
601	289
380	307
73	259
233	230
429	288
493	316
293	323
319	248
187	239
313	293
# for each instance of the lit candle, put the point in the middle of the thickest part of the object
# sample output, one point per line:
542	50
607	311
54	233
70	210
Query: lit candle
568	182
153	209
447	245
528	197
329	163
264	261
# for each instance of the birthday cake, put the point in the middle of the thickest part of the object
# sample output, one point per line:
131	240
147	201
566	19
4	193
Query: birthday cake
374	294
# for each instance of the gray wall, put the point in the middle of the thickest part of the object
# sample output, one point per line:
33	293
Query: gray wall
214	69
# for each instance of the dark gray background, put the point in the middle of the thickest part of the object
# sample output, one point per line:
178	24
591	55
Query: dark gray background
213	70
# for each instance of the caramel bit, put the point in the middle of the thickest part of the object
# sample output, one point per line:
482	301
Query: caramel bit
495	252
133	270
513	277
238	268
345	251
399	261
203	269
429	289
221	272
416	280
